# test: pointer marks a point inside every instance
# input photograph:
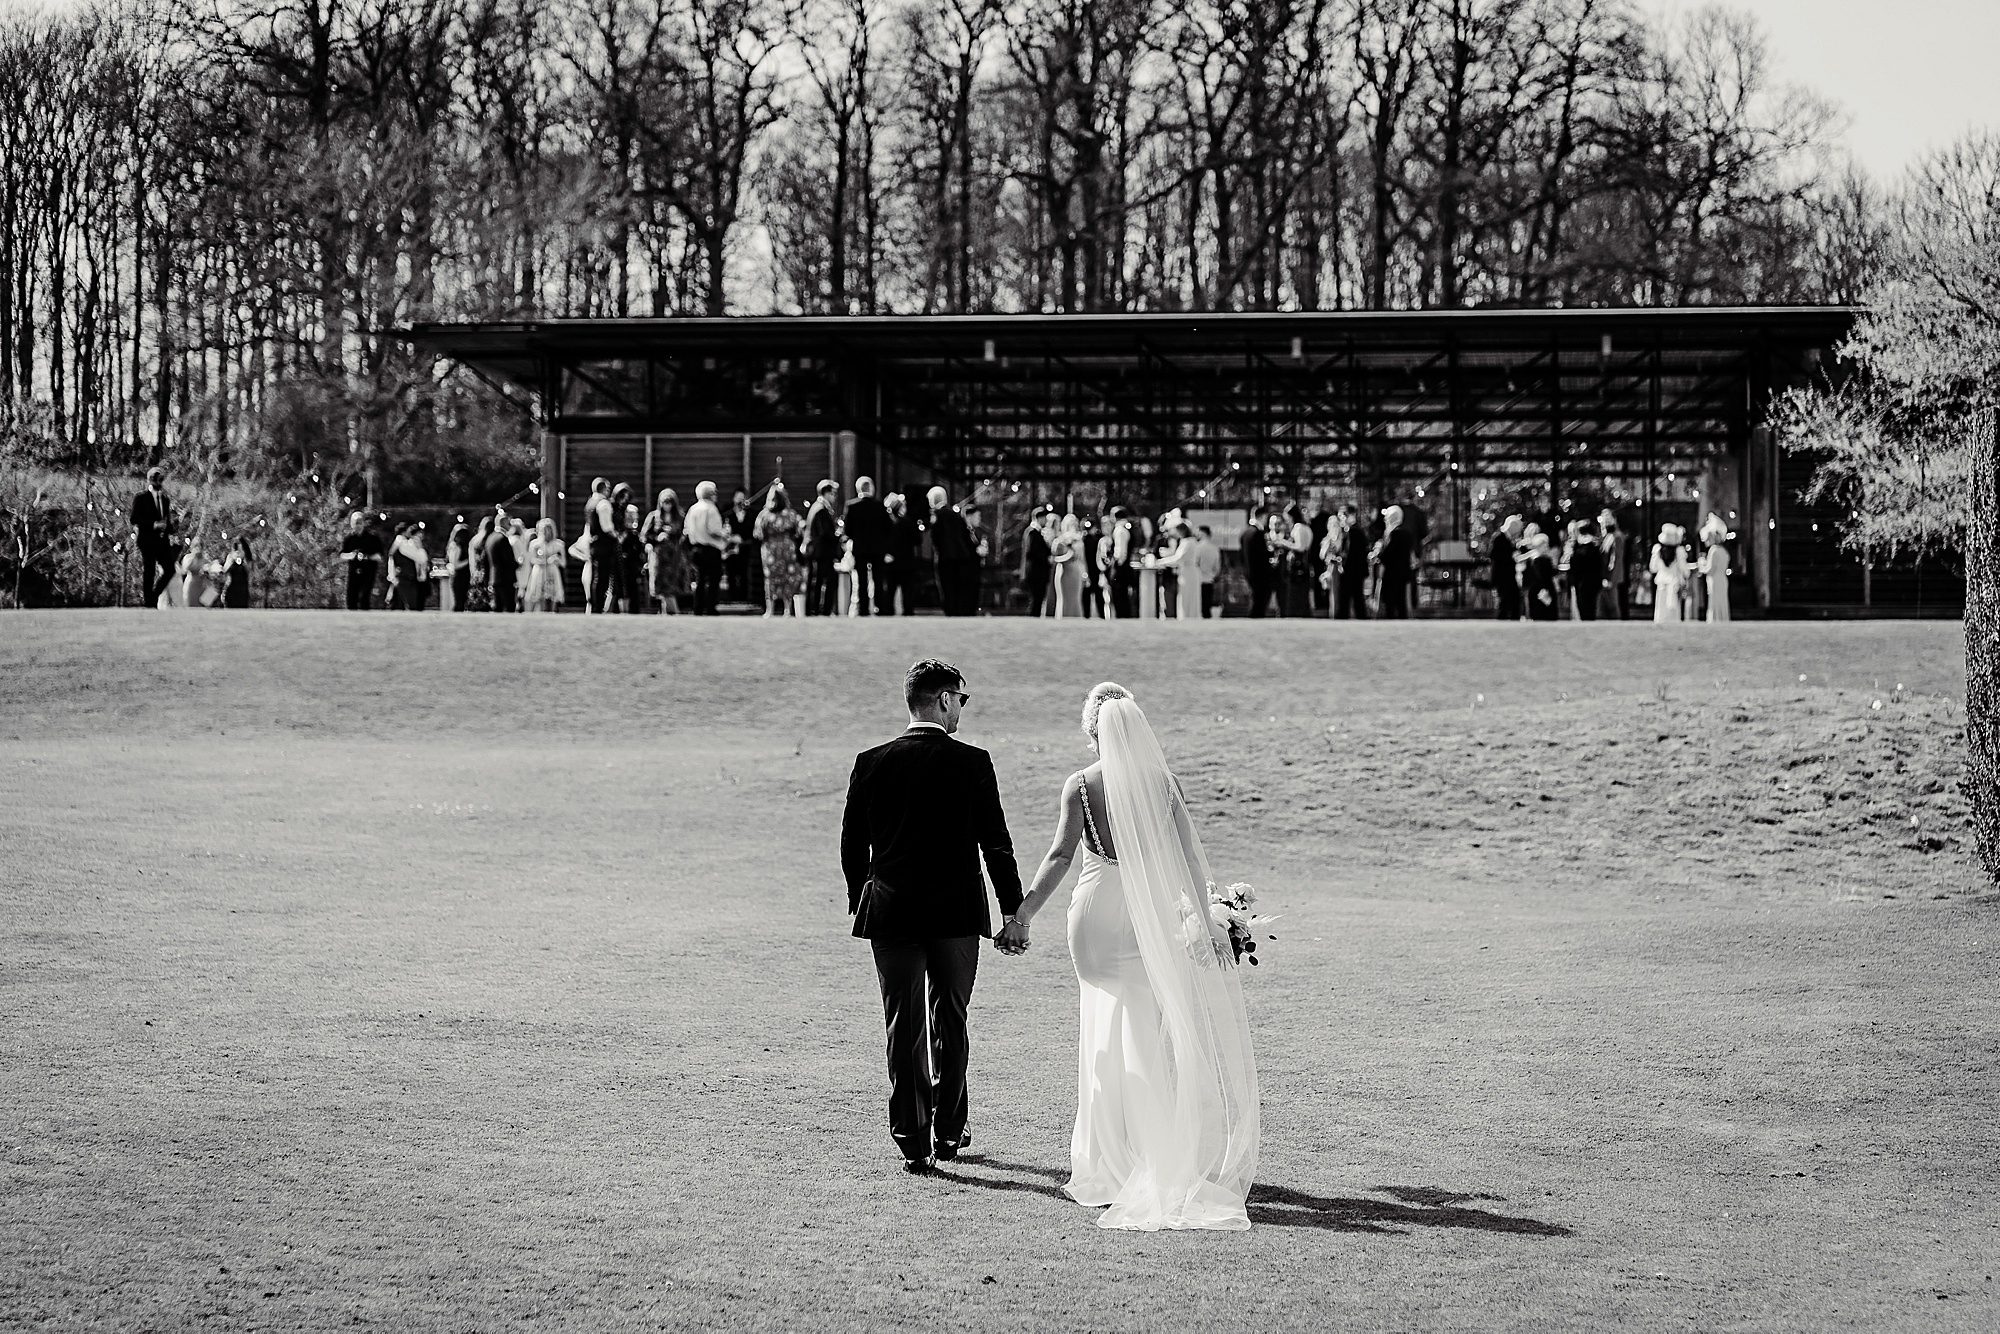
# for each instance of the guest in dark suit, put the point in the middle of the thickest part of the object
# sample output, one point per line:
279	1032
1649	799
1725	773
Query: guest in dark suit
1035	562
236	574
362	552
402	570
1506	583
822	551
1396	555
1257	565
1586	570
503	565
1322	590
629	581
153	533
921	810
906	538
981	549
1611	541
956	556
600	530
1351	585
869	529
1119	554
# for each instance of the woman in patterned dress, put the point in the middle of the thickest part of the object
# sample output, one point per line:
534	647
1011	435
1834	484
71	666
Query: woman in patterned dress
778	529
479	583
667	562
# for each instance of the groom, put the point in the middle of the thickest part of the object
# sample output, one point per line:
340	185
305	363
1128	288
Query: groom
920	810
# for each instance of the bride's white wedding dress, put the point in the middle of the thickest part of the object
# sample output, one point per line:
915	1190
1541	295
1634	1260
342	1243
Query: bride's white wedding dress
1166	1119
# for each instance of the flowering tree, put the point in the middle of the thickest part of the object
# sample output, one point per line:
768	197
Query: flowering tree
1909	446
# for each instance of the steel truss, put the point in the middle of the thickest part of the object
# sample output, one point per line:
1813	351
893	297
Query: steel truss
1148	405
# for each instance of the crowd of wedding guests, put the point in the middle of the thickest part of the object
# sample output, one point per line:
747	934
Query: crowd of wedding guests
1338	564
881	556
1348	565
1591	578
818	558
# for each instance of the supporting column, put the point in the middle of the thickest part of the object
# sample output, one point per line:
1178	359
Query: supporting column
845	463
551	479
1555	434
1650	435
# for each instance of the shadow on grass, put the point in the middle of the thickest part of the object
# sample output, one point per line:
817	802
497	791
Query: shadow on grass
1280	1206
1415	1206
997	1165
949	1172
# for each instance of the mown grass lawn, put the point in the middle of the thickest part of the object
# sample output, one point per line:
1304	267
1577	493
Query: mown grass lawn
462	973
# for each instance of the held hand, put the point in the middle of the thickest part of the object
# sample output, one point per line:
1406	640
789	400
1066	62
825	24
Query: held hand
1012	937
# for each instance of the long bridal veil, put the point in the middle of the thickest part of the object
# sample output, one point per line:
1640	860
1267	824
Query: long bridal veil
1198	1155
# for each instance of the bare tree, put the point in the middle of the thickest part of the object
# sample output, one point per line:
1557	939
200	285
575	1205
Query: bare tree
216	213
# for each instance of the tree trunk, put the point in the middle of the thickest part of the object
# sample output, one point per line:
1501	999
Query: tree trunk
962	129
1981	779
837	239
1453	161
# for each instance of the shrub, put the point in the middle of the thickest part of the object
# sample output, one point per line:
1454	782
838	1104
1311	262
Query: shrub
68	542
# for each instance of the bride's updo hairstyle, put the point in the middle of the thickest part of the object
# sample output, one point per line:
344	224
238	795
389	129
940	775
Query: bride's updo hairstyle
1095	701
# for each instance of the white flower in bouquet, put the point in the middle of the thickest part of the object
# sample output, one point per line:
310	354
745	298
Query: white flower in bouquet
1229	910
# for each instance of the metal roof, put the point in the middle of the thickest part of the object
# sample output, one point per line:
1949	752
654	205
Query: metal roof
1310	395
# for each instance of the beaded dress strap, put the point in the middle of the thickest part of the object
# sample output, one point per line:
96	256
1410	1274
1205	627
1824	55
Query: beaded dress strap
1091	839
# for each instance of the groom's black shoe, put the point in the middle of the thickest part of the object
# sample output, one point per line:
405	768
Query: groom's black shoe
919	1167
947	1150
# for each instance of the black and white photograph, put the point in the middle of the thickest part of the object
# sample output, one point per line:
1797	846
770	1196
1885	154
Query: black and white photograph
1576	905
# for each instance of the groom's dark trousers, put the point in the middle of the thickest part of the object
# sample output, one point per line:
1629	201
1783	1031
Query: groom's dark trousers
928	1044
921	810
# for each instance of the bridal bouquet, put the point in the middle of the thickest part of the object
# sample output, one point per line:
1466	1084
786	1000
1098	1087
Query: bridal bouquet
1231	909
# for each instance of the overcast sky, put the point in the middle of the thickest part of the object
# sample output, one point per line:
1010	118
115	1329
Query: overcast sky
1911	74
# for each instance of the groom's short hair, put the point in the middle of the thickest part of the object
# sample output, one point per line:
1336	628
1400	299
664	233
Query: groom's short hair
929	679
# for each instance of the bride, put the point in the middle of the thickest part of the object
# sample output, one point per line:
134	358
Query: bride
1166	1092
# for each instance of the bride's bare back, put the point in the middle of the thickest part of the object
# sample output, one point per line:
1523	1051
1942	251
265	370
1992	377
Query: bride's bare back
1091	793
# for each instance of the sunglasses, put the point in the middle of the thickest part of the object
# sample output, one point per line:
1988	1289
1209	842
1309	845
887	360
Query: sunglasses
963	698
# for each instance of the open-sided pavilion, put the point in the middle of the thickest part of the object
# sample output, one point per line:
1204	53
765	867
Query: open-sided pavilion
1664	406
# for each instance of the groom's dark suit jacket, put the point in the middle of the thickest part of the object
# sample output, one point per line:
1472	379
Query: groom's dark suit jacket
920	809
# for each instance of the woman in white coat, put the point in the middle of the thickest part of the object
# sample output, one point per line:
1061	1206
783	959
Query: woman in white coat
1714	565
1670	573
